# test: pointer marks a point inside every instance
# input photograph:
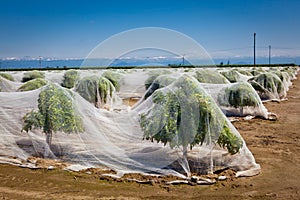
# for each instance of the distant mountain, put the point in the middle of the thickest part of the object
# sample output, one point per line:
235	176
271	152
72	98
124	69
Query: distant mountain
148	62
14	63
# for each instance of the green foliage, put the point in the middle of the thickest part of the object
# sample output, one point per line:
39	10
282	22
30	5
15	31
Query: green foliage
95	90
229	141
257	71
7	76
70	77
244	72
87	88
32	75
153	75
231	75
210	76
33	119
284	77
55	112
291	71
235	75
269	82
239	95
114	77
263	93
186	115
105	88
160	82
32	84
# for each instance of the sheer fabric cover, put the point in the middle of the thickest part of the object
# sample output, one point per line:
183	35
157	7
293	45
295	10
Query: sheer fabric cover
114	136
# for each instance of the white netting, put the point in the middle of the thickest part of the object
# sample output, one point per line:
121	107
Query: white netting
235	75
8	86
176	110
237	99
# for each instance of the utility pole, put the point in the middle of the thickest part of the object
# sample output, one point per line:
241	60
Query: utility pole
269	54
254	61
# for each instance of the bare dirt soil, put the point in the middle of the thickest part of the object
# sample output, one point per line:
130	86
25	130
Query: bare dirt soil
275	145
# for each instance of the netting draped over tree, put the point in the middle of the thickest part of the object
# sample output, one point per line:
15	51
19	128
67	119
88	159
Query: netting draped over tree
210	76
70	77
97	90
32	84
7	76
8	86
240	99
55	113
184	115
268	86
159	82
32	75
235	75
178	129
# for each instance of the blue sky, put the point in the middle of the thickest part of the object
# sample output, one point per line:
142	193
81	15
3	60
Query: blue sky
71	29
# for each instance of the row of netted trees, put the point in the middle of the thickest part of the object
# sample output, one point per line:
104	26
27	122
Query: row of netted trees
248	88
181	110
99	90
185	111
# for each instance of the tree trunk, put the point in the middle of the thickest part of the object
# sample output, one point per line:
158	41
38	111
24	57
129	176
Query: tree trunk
186	162
49	138
241	111
185	153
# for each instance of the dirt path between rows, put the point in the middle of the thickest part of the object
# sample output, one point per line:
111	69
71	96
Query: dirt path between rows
275	145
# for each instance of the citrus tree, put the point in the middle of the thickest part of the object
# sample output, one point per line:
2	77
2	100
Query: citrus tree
32	75
95	90
69	79
32	84
270	83
160	82
184	115
239	95
114	77
55	113
152	75
210	76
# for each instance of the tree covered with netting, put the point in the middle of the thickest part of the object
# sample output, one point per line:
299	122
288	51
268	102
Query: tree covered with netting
184	115
239	95
268	86
243	71
32	75
153	75
257	71
95	90
70	77
32	84
292	71
231	75
210	76
114	77
160	82
56	112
